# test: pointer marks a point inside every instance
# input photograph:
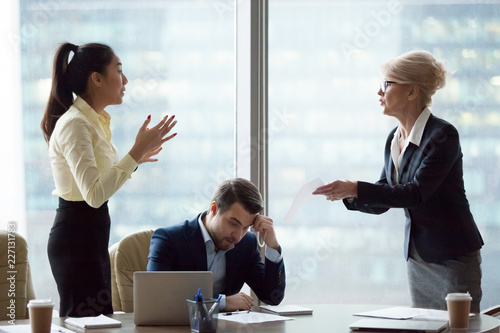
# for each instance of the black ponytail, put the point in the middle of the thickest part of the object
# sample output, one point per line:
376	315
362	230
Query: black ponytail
71	77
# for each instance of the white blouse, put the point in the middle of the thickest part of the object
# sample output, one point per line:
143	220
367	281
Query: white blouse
415	137
85	163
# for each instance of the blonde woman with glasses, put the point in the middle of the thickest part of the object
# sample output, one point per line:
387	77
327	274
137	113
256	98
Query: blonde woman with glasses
423	174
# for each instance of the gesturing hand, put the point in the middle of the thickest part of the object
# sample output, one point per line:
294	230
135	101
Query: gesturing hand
148	141
338	190
147	157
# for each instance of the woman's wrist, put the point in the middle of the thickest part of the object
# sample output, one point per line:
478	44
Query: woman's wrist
354	190
135	154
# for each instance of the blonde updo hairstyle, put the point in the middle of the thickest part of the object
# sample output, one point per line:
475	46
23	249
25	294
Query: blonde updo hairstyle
419	68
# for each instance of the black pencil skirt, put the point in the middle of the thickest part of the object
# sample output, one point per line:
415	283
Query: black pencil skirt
79	259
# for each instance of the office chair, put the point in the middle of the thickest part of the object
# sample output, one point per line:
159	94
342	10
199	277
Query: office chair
115	295
15	281
129	256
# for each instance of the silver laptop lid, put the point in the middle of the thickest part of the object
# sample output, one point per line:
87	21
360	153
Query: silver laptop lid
160	297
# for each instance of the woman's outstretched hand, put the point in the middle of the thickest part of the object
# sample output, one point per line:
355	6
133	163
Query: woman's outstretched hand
148	141
338	190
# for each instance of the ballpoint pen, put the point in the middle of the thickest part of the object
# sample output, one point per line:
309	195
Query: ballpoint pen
205	324
235	313
214	306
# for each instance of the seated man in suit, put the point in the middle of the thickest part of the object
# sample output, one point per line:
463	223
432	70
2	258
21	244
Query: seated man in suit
217	241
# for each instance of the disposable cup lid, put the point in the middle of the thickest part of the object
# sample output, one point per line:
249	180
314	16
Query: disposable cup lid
458	297
39	303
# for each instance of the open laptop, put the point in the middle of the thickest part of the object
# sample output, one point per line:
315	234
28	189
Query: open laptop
160	297
395	325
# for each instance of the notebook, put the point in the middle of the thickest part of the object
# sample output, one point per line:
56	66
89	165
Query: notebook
287	310
388	325
160	297
93	322
406	313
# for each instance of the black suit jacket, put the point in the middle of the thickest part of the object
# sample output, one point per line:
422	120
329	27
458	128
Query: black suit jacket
431	192
181	248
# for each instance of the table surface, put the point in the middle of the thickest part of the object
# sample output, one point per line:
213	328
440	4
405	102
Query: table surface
325	318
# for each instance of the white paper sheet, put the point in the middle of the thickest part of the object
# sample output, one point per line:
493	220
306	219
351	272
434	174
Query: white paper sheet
304	195
15	328
407	313
27	329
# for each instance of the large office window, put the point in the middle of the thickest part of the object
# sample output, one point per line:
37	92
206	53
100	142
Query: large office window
179	60
326	122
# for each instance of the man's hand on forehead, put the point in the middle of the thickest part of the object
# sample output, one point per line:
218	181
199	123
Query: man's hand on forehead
255	219
265	226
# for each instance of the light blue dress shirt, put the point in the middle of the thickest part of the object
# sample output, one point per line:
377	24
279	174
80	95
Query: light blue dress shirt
216	261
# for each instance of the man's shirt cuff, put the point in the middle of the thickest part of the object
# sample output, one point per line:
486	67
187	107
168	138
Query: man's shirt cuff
273	255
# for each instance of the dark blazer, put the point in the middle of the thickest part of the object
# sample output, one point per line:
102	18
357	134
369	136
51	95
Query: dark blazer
431	192
181	248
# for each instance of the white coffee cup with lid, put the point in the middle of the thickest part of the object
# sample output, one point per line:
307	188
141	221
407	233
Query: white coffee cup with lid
40	311
458	309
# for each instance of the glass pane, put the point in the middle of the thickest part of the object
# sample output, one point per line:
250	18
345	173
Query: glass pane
325	121
178	57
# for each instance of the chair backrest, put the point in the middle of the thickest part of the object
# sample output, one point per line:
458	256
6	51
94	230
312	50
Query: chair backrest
115	295
131	255
16	286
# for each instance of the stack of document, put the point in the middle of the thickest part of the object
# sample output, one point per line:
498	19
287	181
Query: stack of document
93	322
401	319
287	309
407	313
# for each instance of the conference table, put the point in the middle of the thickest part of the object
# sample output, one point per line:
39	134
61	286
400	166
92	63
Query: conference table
325	318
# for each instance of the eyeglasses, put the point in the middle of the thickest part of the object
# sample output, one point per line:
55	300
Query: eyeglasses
384	85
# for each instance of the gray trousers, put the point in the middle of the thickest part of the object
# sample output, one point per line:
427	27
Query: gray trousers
430	282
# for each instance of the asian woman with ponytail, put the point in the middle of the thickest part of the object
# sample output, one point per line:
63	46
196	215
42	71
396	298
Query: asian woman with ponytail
87	171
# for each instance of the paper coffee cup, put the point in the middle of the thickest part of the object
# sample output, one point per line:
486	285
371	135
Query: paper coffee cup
40	315
458	309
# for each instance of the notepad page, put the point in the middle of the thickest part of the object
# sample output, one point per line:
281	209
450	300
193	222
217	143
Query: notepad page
101	321
287	309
